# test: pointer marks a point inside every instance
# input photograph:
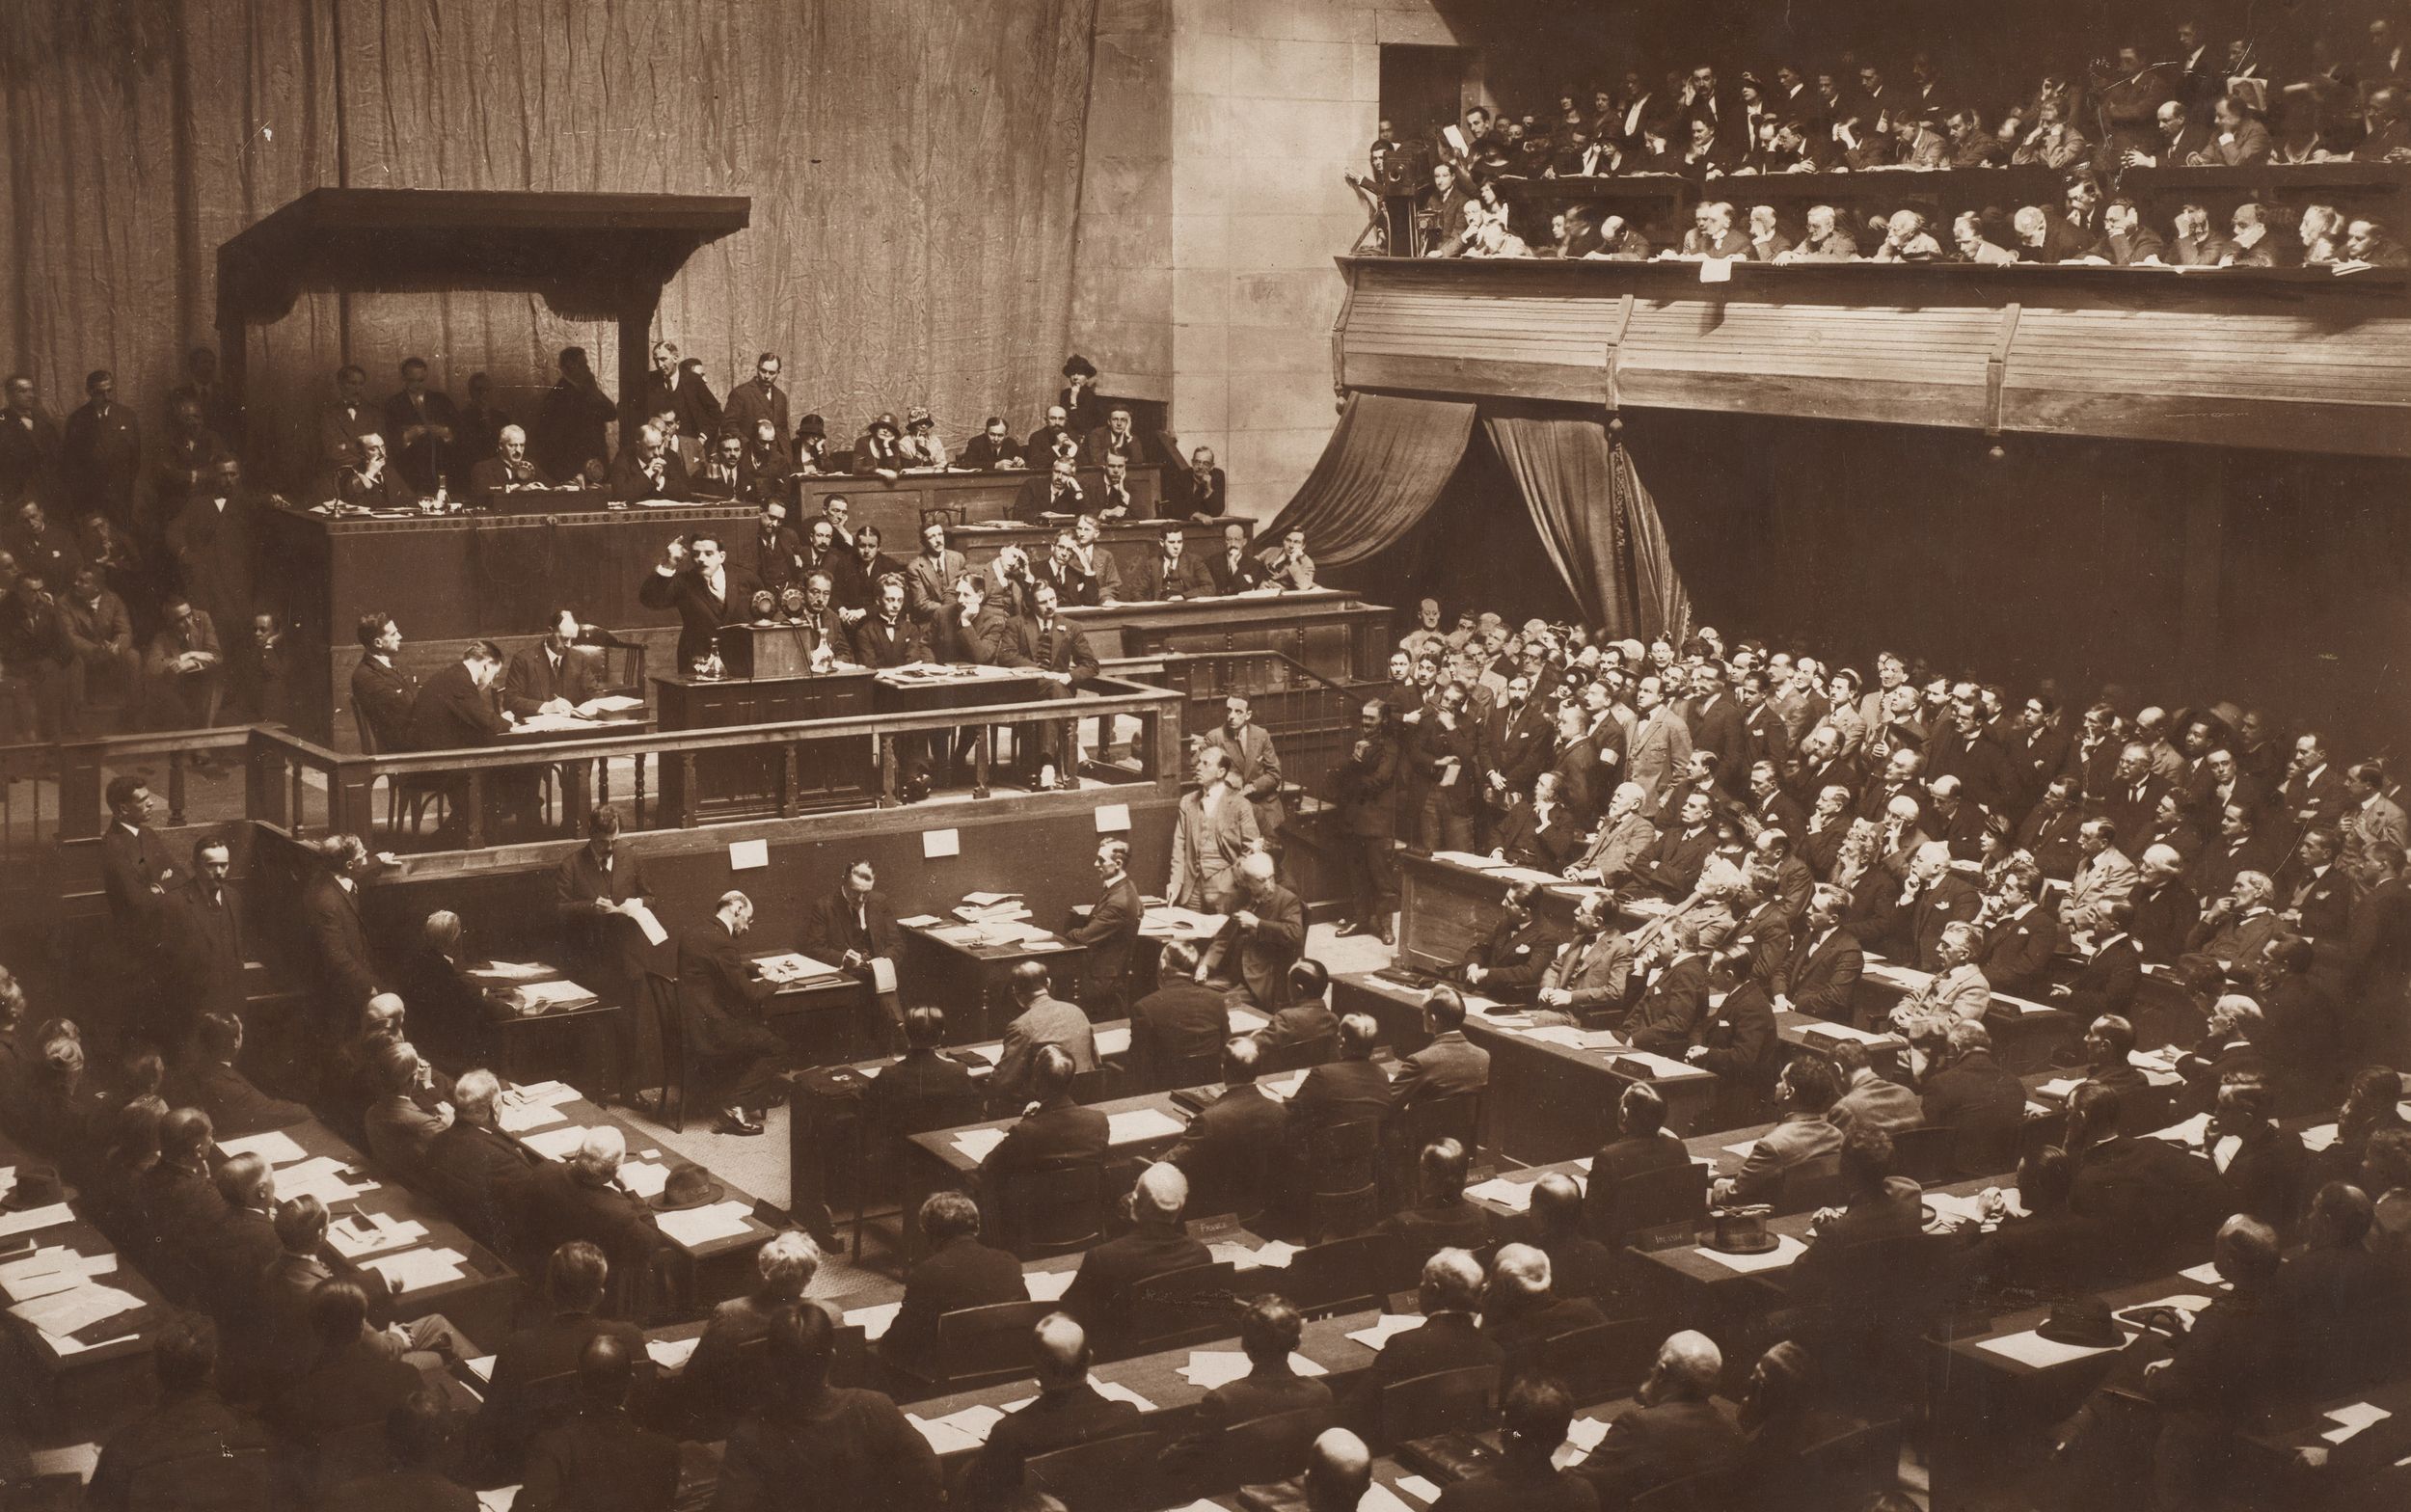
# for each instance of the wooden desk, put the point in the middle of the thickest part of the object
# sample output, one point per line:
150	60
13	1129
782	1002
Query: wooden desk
1142	1129
973	498
1547	1101
68	1395
1328	630
566	1045
974	980
787	776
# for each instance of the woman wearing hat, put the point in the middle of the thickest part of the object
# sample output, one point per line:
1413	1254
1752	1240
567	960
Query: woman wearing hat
812	445
1084	409
880	452
921	446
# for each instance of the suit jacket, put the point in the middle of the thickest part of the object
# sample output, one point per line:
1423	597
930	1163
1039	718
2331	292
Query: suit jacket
1648	1446
1671	865
205	950
564	1206
2098	881
1236	576
1059	1132
1161	579
929	583
1111	933
1178	1021
984	641
531	681
879	644
543	1350
1595	968
132	862
748	404
1985	1104
236	1107
1797	1138
961	1273
1186	493
1625	1155
835	928
383	695
1045	1021
422	458
605	939
630	482
2165	913
1265	953
701	614
1339	1092
1448	1067
2324	902
1099	1294
453	713
1661	748
214	551
2164	1202
777	562
1671	1007
2018	951
498	474
2110	981
852	1446
337	946
1232	1151
599	1461
1446	1342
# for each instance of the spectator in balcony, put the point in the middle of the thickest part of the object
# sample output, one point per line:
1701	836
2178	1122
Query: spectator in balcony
1585	156
2175	140
1767	241
2389	137
2124	239
2196	244
1906	239
2367	241
1441	214
1619	242
1709	153
2258	244
1968	235
1917	145
2242	140
1971	145
1712	233
2321	231
1492	239
1825	241
1655	153
1801	147
2130	101
2053	142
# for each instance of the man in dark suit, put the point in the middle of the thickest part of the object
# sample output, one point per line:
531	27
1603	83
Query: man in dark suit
854	930
958	1272
101	455
1235	568
1641	1145
1269	1332
575	1278
138	874
1171	572
1110	932
1676	1430
578	1198
778	551
550	677
909	1094
1348	1090
339	946
484	1179
2314	893
382	693
708	595
1522	1311
887	636
1053	1130
651	469
1068	1411
1044	1020
1180	1020
191	1423
2018	946
600	1457
213	541
1821	977
245	1242
351	1384
993	450
593	891
1308	1018
2113	973
1159	1242
1441	1218
1449	1294
2163	1201
1966	1089
422	427
211	1083
1232	1151
203	935
724	1378
1450	1066
720	998
455	711
1265	931
506	472
1202	494
1060	652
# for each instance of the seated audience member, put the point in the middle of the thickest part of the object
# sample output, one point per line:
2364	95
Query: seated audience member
1349	1089
2048	1250
1180	1021
2265	1167
651	469
1881	1204
2109	1043
1053	1130
417	1446
102	634
1158	1241
508	470
850	1446
720	998
1957	994
279	1340
721	1380
350	1384
2113	972
1512	960
1641	1145
993	450
1821	978
1673	1005
574	1280
1269	1331
1805	1094
1578	1265
2350	1309
1263	932
1442	1217
1521	1310
2020	939
1867	1098
1677	1429
1200	495
1589	978
1232	1151
178	1210
1533	1416
407	1116
902	1098
211	1083
1307	1016
183	668
1448	1295
1043	1021
1735	1036
1450	1066
190	1422
1783	1415
1966	1091
245	1244
957	1272
579	1198
1069	1410
2165	907
2162	1201
1235	568
600	1457
550	676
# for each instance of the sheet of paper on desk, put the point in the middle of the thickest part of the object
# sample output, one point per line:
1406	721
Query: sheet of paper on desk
673	1354
1660	1064
497	1499
1115	1391
524	1116
557	1144
374	1234
1463	858
610	703
1585	1433
510	971
275	1147
416	1270
541	996
975	1143
644	1177
1047	1285
2190	1132
2205	1273
1603	1039
1208	1369
2031	1349
1247	1020
553	724
1525	874
875	1322
1284	1088
320	1176
78	1460
482	1367
947	1435
1516	1196
63	1313
793	967
1786	1250
938	844
2352	1418
45	1272
1392	1325
2060	1088
1566	1035
920	921
1379	1498
34	1218
1140	1125
1112	1042
694	1226
2319	1137
1421	1489
551	1093
987	900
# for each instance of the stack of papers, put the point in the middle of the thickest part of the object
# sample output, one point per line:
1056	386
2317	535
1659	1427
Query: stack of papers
1049	1286
1566	1035
695	1226
550	997
1479	863
2319	1137
322	1177
62	1313
552	1093
521	1117
673	1354
1115	1041
1846	1032
2192	1132
1419	1488
1392	1325
275	1147
557	1144
1208	1369
920	921
47	1272
34	1218
358	1236
1786	1250
1660	1066
1277	1253
2060	1088
2205	1273
975	1143
1140	1125
553	724
610	703
513	971
875	1322
2031	1349
416	1270
957	1433
1514	1196
793	967
644	1177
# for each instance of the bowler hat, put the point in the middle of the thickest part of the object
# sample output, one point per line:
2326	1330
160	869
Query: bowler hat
688	1186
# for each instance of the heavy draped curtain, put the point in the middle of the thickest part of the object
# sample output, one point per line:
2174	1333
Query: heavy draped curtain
914	167
1384	468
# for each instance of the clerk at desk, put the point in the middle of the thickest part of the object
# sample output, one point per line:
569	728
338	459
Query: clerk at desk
854	930
550	677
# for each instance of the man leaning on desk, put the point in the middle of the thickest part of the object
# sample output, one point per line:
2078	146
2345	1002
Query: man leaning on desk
854	930
549	677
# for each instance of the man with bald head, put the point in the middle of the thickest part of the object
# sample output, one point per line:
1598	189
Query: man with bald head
1043	1019
598	1456
580	1198
1521	1309
1053	1128
720	997
506	472
1449	1296
1678	1429
1263	934
407	1116
480	1175
1158	1241
1068	1411
1338	1471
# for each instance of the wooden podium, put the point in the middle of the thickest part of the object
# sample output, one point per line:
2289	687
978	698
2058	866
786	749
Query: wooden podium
766	650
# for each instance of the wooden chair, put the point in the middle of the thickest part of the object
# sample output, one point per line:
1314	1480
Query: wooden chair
1189	1070
1051	1209
677	1068
1812	1184
419	789
1603	1361
1102	1085
1342	1178
984	1346
1193	1306
1339	1275
1924	1153
1298	1055
877	1146
1463	1400
1268	1449
1102	1474
1668	1195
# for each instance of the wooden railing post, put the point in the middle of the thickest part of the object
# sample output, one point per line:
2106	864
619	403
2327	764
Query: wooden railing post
687	792
791	778
176	787
475	799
